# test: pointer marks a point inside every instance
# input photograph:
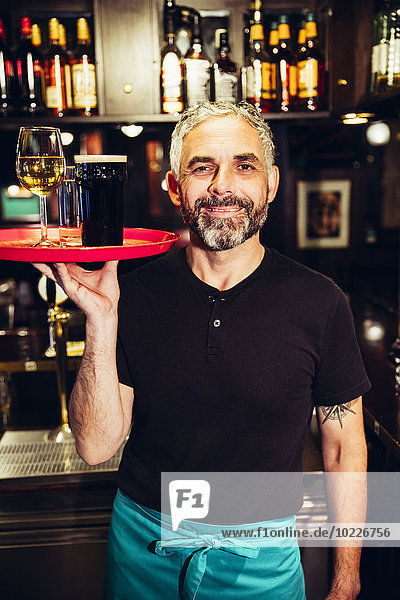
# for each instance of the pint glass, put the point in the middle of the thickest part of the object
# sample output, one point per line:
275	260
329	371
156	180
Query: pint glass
101	180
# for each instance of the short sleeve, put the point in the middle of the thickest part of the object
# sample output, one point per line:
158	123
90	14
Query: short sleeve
124	372
341	376
124	375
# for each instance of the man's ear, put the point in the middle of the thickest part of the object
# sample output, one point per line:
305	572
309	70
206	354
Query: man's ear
173	188
273	183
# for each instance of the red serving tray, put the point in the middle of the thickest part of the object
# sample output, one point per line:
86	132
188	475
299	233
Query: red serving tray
15	244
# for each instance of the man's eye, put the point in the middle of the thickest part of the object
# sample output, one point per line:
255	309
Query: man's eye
246	167
201	169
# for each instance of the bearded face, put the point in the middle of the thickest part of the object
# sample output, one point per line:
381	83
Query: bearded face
228	231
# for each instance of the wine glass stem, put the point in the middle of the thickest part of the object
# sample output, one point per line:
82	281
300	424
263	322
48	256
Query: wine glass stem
43	218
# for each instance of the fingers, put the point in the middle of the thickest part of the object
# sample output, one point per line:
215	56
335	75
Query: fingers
45	269
110	266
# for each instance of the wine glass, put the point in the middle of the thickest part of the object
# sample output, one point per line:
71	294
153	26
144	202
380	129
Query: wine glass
40	167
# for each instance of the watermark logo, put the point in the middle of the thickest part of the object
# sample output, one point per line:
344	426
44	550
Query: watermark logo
189	499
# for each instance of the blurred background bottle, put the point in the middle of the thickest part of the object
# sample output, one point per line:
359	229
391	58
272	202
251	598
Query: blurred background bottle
225	70
29	72
286	74
83	72
379	53
172	72
6	75
393	58
54	70
198	68
62	39
260	80
311	71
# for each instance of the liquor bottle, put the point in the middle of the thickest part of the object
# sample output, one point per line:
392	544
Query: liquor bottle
260	71
300	53
84	73
225	70
54	72
172	73
311	71
169	11
249	21
286	75
62	40
29	73
393	59
379	53
6	75
198	69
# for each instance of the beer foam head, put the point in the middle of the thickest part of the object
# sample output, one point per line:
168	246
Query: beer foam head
100	158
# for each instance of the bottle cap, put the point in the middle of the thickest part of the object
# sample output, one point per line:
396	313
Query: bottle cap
53	29
302	34
25	25
62	37
284	31
36	35
311	29
257	32
82	29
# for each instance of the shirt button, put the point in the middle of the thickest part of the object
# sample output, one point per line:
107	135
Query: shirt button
217	323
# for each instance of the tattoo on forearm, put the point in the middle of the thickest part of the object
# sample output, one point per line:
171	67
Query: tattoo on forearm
336	412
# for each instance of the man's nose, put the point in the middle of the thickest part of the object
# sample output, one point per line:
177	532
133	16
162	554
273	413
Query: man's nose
222	182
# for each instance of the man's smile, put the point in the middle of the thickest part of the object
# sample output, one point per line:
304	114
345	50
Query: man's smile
223	210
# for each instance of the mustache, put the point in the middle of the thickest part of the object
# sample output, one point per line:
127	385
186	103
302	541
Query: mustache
215	201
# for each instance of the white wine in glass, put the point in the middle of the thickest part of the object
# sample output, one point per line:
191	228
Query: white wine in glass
40	167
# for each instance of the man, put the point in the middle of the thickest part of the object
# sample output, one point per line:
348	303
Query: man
223	350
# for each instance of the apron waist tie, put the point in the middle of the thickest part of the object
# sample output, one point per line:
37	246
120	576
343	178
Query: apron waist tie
197	561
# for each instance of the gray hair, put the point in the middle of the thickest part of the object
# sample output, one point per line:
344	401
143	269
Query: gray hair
192	117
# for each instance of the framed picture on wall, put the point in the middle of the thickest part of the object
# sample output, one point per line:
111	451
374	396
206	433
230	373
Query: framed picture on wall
323	213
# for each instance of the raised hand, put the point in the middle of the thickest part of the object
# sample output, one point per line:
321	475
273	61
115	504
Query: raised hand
96	293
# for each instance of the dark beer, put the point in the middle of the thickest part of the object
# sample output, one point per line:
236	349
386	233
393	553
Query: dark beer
101	180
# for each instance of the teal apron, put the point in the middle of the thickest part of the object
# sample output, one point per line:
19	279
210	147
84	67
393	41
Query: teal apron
204	566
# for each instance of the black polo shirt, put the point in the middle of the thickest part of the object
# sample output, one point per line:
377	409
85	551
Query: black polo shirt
227	381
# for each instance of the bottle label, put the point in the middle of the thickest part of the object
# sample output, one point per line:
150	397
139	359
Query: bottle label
268	81
307	71
396	61
9	69
198	81
55	91
383	59
68	86
84	85
293	80
225	86
172	106
171	80
375	60
54	97
37	68
250	83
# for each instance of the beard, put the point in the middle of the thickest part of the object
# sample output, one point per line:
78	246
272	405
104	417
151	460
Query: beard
224	233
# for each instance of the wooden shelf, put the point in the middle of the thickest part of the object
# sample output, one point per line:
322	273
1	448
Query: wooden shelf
9	123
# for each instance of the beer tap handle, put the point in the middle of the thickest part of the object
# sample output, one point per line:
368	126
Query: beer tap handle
50	291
